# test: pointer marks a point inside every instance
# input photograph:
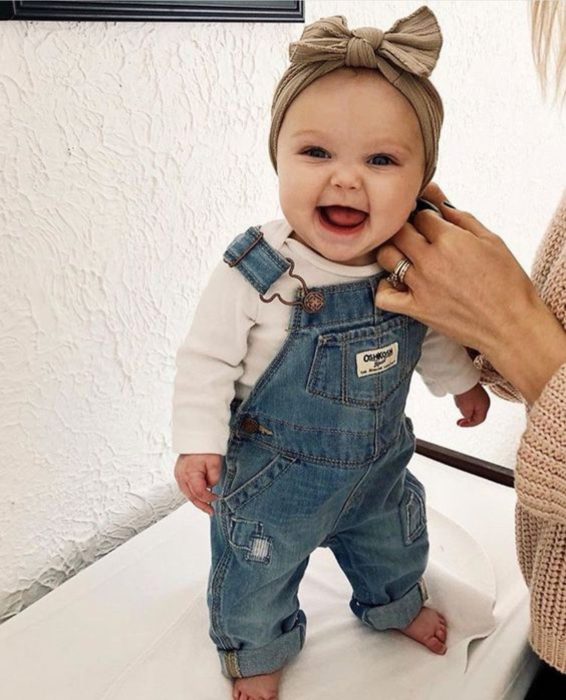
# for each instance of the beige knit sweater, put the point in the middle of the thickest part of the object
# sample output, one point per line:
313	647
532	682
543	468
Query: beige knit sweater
540	477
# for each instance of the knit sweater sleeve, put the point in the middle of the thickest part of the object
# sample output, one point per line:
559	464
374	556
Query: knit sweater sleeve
541	460
497	384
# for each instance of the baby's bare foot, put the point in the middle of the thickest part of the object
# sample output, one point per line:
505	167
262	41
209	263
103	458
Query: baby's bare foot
258	687
428	628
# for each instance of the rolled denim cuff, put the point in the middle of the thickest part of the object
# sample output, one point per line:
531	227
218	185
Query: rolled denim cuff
395	615
241	663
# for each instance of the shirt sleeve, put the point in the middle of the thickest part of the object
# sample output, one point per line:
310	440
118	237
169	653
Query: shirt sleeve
445	366
210	361
540	475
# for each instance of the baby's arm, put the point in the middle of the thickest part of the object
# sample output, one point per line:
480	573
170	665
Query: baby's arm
209	362
446	367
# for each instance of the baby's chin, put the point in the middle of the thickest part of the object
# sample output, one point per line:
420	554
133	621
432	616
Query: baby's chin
344	257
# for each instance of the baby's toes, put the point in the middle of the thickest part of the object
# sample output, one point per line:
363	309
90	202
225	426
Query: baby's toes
434	644
441	633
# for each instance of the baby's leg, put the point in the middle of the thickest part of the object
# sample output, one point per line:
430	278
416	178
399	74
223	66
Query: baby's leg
383	550
255	619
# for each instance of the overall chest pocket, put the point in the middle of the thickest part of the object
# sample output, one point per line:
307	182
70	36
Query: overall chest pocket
363	367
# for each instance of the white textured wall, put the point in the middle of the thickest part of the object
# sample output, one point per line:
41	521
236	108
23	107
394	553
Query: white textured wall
130	155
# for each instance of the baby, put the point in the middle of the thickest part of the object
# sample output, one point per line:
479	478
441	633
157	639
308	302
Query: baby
291	385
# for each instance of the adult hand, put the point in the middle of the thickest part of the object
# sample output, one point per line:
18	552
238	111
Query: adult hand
465	282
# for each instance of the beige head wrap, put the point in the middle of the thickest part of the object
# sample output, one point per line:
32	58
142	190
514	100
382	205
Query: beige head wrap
405	55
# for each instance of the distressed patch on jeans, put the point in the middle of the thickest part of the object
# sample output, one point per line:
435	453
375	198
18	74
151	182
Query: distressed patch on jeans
260	549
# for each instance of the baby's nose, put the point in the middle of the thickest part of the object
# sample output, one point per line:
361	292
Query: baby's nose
347	179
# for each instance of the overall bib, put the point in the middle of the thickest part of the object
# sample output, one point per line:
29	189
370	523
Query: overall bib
317	457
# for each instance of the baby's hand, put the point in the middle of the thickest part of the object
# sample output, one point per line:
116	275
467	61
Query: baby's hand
195	475
473	405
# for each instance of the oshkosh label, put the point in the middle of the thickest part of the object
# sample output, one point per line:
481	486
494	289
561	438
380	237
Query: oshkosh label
376	359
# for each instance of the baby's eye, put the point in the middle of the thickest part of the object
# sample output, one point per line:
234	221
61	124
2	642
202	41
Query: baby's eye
315	149
382	156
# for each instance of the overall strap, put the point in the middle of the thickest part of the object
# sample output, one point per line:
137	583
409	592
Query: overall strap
259	262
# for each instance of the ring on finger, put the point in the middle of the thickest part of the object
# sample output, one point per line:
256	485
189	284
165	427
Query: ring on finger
397	277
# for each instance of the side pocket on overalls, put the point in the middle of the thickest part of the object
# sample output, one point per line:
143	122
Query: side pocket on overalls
255	477
249	500
412	509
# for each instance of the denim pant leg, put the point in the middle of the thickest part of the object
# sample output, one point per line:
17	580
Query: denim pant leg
273	513
382	545
255	619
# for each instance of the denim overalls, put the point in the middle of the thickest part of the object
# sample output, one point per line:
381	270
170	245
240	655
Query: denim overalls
317	457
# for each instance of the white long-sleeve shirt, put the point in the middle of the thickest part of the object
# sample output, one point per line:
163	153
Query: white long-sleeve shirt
234	336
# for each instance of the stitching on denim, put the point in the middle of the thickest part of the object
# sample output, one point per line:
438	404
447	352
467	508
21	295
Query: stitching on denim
260	280
257	283
235	656
366	403
275	256
365	332
265	488
346	504
241	489
232	521
313	370
315	459
345	287
241	245
254	538
215	589
305	429
343	341
319	321
270	370
343	369
416	503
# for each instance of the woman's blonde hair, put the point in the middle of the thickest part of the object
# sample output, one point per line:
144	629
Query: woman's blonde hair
548	32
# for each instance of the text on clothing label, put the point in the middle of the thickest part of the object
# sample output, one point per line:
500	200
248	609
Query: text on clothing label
377	359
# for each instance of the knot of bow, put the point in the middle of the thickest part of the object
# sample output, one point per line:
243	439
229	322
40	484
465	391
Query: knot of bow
412	44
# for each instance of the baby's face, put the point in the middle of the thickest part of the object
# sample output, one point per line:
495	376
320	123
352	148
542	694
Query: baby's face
349	140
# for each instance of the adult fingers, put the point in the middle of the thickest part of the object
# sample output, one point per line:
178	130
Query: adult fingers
433	193
465	220
388	255
453	221
394	300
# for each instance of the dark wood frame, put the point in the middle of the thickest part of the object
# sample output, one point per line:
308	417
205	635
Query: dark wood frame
466	463
150	11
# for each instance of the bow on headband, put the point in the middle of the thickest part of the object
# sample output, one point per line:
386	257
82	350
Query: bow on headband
405	56
412	44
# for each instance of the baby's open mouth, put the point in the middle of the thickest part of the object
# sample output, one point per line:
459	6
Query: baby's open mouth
343	216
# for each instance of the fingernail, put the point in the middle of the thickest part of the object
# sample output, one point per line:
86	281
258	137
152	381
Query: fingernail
425	204
447	204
